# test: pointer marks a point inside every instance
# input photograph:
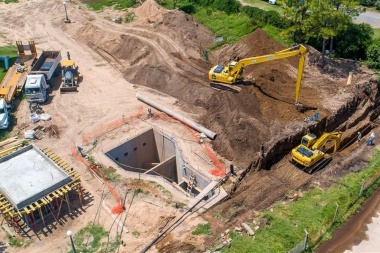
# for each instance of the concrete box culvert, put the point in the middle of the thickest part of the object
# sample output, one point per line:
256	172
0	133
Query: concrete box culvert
154	153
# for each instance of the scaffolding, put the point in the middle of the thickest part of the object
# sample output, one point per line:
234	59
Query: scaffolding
21	220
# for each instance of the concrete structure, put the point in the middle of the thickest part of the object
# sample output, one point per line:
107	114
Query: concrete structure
34	183
151	152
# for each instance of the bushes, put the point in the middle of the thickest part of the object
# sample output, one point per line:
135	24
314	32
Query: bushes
189	9
373	54
228	6
368	2
261	18
353	43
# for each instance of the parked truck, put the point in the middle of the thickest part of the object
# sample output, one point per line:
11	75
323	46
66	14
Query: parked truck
39	79
14	80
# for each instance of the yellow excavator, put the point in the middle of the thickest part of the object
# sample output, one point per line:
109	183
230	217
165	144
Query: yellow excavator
224	77
309	153
70	75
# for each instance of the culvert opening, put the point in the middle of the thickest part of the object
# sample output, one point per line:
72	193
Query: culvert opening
153	153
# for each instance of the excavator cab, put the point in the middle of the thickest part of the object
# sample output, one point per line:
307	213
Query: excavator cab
308	140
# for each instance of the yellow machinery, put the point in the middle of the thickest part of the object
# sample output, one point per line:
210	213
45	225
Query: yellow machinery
70	75
224	77
309	153
14	79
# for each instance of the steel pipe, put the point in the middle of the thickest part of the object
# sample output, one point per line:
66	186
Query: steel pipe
210	134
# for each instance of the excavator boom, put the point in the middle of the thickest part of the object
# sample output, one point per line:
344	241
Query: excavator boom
232	73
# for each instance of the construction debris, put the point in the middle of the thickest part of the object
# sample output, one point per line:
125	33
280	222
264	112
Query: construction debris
52	130
248	229
39	132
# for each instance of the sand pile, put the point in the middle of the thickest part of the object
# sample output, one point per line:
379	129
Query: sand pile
150	12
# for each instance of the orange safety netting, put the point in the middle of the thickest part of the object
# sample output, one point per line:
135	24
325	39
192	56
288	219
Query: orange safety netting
220	170
110	126
119	207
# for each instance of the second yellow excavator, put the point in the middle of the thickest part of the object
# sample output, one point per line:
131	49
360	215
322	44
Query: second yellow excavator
309	153
224	77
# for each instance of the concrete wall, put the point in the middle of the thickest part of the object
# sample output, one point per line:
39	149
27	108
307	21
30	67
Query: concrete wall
166	169
165	146
158	148
136	152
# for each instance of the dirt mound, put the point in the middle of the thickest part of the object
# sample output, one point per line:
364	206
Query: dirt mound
166	57
150	12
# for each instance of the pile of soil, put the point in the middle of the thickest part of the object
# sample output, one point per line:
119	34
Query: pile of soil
163	52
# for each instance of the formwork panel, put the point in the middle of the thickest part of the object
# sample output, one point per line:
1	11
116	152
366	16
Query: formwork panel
28	175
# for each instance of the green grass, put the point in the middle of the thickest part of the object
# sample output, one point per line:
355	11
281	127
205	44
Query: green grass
8	1
17	242
314	212
264	5
117	4
202	229
11	52
138	191
232	27
95	237
376	34
111	174
136	234
275	33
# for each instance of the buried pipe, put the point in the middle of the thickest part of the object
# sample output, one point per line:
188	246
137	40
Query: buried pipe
210	134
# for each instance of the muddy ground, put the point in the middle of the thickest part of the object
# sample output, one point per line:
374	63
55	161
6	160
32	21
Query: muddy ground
160	53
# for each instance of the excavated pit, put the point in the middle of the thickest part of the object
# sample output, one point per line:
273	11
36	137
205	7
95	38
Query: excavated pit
154	153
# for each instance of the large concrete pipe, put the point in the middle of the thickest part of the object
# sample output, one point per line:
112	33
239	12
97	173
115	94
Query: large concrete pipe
210	134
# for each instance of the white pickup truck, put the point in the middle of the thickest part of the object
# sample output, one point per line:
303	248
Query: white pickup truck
40	77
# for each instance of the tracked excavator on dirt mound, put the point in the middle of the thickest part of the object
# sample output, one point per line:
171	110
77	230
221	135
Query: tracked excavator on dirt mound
225	77
309	153
70	75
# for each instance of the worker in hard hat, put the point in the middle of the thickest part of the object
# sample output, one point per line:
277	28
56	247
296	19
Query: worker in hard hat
371	139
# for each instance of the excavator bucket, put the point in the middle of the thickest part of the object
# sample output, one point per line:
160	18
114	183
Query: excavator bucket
68	89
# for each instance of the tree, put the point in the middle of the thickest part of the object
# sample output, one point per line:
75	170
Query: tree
353	42
324	19
296	11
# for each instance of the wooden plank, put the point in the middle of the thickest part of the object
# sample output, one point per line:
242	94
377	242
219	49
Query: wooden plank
7	141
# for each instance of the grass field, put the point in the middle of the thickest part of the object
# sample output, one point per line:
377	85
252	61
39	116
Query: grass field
232	27
11	52
263	5
376	34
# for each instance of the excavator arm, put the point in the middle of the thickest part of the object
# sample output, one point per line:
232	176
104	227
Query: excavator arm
299	50
337	136
232	73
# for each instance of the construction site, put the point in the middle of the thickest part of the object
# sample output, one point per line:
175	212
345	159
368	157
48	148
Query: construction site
139	142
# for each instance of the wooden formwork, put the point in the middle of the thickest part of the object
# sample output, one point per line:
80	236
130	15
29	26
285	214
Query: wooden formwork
22	219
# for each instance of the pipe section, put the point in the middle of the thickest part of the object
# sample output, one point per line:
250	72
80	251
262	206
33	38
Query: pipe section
210	134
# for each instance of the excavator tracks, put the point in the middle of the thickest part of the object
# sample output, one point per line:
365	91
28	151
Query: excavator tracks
229	87
318	166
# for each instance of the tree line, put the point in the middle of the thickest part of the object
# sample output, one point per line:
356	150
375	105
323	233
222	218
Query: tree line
324	24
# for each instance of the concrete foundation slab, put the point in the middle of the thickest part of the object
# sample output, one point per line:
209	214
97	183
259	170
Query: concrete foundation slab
28	175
